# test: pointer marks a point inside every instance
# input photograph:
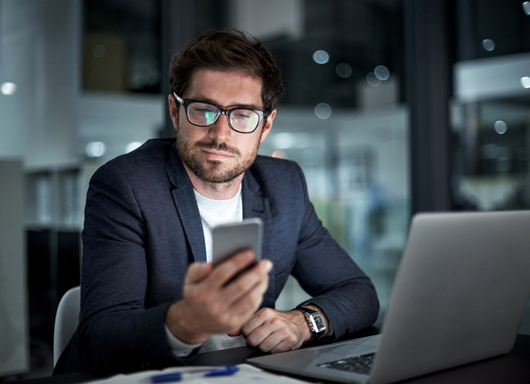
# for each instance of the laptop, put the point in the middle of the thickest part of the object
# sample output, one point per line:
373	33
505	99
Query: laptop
459	296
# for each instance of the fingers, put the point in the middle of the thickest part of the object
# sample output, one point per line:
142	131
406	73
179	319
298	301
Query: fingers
253	282
249	301
260	326
197	272
243	296
273	331
254	322
210	306
279	342
234	332
226	270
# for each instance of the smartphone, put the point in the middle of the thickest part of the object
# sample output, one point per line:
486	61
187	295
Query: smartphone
227	239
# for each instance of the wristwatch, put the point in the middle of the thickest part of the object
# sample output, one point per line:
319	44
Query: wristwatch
314	320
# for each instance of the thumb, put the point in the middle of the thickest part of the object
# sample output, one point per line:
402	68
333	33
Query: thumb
197	272
234	332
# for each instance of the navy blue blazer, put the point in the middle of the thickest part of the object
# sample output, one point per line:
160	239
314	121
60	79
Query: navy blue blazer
142	230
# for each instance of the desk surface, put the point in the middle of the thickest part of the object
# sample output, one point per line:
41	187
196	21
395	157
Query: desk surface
511	368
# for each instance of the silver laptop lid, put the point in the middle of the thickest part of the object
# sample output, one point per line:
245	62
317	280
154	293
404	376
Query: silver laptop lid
460	293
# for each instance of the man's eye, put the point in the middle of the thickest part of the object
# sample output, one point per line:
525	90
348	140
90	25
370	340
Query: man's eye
204	110
243	115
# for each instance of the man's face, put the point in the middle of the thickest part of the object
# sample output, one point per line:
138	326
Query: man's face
218	154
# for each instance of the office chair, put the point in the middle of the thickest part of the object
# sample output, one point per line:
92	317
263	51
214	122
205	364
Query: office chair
66	321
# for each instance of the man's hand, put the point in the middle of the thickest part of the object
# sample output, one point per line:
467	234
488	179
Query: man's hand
210	305
276	331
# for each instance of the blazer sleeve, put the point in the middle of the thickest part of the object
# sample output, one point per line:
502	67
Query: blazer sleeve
325	271
116	332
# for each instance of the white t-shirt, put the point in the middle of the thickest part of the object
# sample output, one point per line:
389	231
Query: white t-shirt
215	212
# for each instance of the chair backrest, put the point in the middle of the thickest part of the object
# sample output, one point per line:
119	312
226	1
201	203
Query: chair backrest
66	321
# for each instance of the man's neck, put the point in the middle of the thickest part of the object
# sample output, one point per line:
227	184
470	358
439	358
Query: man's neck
216	191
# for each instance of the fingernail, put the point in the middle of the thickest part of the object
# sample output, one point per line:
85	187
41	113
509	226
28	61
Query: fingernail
267	265
203	266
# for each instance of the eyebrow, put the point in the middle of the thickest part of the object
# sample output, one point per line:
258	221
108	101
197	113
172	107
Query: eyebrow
207	100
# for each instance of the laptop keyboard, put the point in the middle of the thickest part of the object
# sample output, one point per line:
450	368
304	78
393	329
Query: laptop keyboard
358	364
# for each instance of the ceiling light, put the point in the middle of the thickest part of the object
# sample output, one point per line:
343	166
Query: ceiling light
95	149
321	57
526	7
488	44
323	111
8	89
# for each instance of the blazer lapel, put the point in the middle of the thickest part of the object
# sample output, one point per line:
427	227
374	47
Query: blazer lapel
184	198
254	205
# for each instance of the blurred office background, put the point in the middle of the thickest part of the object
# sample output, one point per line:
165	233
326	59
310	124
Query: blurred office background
392	107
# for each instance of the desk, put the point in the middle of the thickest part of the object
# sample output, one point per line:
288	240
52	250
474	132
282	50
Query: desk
512	368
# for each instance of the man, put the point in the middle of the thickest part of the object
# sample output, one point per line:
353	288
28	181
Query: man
150	296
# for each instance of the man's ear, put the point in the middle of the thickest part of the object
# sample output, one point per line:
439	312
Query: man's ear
173	110
268	126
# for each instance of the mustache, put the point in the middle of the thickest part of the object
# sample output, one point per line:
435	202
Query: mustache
219	146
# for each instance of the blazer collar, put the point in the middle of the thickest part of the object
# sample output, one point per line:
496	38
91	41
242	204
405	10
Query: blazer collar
175	169
254	203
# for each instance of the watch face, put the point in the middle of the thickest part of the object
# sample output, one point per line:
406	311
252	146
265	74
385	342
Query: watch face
315	321
318	323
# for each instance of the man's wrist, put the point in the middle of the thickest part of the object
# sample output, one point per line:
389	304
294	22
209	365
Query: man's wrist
302	322
179	348
315	320
178	325
314	307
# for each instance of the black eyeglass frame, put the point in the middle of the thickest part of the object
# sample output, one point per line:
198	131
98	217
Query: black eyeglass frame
226	112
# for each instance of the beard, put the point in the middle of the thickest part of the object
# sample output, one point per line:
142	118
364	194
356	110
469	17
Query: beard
212	171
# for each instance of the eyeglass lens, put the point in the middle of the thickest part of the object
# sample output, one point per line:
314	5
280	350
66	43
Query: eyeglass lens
242	120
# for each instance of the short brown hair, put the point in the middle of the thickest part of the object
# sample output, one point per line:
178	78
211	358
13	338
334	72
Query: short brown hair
224	50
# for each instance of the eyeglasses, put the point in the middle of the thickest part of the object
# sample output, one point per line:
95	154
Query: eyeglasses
202	114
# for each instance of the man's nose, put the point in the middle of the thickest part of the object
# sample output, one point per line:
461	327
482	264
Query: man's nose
220	130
